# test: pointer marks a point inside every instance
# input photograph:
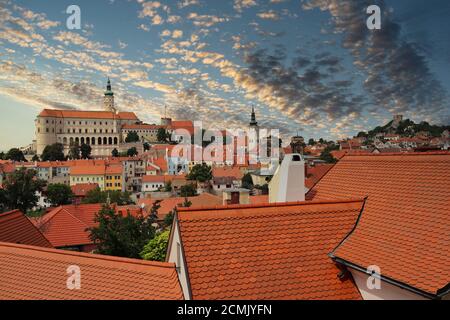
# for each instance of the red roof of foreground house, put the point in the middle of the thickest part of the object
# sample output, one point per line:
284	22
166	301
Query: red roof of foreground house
270	251
16	228
78	114
405	226
315	173
81	189
36	273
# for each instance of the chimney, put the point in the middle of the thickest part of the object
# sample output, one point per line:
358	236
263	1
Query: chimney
288	182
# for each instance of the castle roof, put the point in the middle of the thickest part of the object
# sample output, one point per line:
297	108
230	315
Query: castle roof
78	114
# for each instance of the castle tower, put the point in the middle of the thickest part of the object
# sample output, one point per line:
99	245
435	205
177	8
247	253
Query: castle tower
108	100
253	132
253	122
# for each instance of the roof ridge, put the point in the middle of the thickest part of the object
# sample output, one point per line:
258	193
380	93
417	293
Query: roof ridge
430	153
89	255
269	205
10	213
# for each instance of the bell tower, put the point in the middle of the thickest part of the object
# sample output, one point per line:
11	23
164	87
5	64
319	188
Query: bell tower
108	100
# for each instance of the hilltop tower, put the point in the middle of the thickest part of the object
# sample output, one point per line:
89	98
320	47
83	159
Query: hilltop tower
253	138
108	100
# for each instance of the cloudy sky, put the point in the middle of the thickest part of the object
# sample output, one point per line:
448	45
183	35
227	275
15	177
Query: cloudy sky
310	66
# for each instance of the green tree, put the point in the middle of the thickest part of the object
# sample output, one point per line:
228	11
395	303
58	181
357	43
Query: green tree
20	190
98	196
115	153
168	219
2	156
154	209
54	152
155	249
85	150
168	186
74	151
15	154
327	156
121	235
3	204
132	136
132	152
247	181
200	172
311	142
59	194
187	203
146	146
35	158
162	135
188	190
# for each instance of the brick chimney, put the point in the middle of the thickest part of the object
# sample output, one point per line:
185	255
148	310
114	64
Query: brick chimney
288	182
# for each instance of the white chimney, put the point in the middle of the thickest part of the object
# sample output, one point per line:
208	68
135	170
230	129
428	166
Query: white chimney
288	182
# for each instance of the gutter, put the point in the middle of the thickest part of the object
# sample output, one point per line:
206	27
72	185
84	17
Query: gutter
391	281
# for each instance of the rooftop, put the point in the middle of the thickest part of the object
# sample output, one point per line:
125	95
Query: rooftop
405	226
276	251
102	277
78	114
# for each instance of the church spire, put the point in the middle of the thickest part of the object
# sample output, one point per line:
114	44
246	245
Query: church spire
253	118
108	100
108	85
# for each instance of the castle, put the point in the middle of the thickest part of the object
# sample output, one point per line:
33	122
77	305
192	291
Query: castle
102	130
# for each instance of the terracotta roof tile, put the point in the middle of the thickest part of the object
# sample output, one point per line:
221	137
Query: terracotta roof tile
35	273
87	170
405	226
15	227
87	114
81	189
267	251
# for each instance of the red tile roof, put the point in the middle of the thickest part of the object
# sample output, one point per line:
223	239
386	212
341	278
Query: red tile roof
315	173
142	126
81	189
87	170
36	273
220	172
16	228
276	251
405	226
88	114
168	204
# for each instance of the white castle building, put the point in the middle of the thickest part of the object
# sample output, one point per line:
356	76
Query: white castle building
102	130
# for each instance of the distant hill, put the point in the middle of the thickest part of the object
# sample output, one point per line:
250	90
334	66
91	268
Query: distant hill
406	128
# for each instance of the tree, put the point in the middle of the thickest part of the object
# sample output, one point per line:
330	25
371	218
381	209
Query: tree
121	235
132	136
98	196
115	153
20	190
155	249
311	142
168	186
188	190
146	146
327	156
200	172
54	152
187	203
35	158
85	150
132	152
2	200
15	154
59	194
168	219
154	209
162	135
247	181
74	151
2	156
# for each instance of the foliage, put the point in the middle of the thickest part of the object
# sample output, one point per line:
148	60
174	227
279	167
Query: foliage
132	136
154	209
155	249
15	154
312	142
132	152
54	152
162	135
74	151
2	156
326	154
247	181
19	190
121	235
188	190
186	203
168	186
146	146
168	219
85	150
115	153
35	158
200	172
264	188
98	196
59	194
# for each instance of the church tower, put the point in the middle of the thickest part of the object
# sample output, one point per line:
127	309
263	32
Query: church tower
253	139
253	122
108	100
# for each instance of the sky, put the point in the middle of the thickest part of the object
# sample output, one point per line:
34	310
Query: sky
310	67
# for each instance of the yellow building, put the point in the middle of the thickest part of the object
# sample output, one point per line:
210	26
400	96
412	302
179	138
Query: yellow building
88	174
114	178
